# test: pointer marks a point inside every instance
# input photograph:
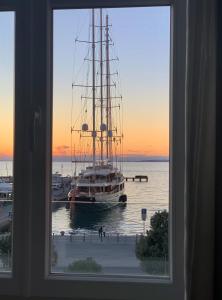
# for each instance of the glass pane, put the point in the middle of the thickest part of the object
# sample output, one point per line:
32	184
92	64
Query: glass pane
6	136
110	170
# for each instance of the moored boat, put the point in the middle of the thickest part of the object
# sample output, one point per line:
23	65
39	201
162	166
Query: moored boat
60	186
6	190
101	183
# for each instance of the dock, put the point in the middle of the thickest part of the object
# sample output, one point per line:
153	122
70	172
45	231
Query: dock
137	178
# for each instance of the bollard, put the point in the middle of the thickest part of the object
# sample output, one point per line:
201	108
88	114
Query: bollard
53	235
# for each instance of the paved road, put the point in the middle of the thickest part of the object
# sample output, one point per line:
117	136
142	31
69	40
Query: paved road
116	254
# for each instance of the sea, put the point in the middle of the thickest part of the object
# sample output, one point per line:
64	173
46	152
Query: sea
124	219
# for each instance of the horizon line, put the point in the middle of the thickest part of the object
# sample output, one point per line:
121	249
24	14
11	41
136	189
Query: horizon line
124	158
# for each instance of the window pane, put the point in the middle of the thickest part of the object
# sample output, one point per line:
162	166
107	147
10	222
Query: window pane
110	170
6	136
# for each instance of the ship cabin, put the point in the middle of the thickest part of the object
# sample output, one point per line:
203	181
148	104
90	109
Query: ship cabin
86	189
98	178
100	175
101	179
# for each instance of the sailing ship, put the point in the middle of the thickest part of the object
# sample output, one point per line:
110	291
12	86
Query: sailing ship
101	180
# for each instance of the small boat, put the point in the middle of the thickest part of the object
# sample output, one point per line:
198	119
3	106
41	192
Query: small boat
6	190
101	181
60	186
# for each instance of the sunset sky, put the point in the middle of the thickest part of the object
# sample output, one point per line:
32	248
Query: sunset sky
142	39
142	43
6	83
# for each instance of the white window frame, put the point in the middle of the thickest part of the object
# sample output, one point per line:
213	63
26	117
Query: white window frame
32	162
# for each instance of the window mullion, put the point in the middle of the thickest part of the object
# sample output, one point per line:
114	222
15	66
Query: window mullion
40	94
23	141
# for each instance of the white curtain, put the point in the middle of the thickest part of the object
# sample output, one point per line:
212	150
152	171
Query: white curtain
200	117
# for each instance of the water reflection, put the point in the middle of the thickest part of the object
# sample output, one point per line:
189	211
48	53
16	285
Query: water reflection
92	216
56	205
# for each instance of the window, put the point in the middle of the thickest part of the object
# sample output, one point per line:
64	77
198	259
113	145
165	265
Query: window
33	148
6	132
121	62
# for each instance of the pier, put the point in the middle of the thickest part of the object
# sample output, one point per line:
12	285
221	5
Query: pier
137	178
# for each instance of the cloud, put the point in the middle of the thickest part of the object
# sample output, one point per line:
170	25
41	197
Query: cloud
61	150
132	151
138	152
63	147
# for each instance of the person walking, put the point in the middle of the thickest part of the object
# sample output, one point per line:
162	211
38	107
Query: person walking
100	232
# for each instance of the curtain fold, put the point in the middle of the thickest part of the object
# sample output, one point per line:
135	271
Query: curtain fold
200	147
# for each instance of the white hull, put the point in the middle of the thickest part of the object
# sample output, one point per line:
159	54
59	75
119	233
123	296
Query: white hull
100	197
109	197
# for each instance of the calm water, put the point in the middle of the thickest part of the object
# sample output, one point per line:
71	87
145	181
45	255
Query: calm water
125	219
152	195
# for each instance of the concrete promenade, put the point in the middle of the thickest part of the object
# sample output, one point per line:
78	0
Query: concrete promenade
115	253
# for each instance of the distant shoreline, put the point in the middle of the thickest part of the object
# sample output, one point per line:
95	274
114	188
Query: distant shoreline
130	160
147	160
68	161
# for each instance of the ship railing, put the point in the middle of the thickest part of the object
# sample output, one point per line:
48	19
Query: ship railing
92	181
100	181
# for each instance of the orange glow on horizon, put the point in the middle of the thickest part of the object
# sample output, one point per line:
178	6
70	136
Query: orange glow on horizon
63	150
149	142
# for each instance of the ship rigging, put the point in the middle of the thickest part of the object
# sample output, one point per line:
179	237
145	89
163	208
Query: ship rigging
101	181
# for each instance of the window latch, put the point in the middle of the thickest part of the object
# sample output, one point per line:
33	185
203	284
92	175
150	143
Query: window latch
35	125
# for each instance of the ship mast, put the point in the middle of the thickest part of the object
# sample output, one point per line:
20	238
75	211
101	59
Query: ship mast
101	80
105	134
108	104
93	89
